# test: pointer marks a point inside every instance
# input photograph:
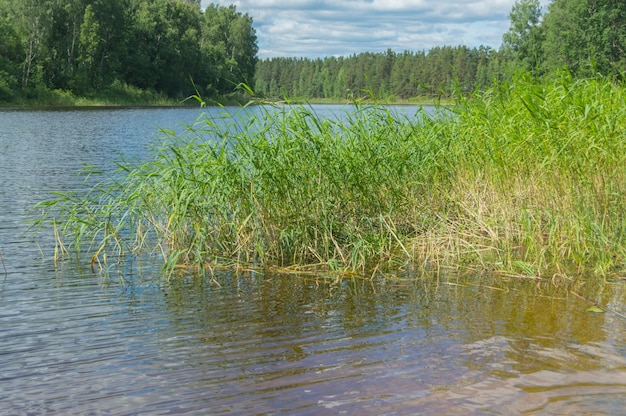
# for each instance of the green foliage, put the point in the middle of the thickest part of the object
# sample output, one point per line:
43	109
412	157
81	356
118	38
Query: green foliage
10	52
168	53
525	178
229	43
525	37
548	157
282	187
89	45
586	36
397	76
83	46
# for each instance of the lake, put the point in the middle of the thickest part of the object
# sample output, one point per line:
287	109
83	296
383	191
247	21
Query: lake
254	343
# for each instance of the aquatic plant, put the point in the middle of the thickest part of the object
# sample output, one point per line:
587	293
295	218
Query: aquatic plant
540	184
526	178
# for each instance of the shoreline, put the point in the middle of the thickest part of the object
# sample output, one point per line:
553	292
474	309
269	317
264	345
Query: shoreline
78	103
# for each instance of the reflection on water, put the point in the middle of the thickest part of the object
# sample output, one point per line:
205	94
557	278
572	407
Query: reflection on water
259	343
266	343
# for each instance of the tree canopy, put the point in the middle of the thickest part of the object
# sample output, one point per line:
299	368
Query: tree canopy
523	42
173	46
389	75
586	37
83	46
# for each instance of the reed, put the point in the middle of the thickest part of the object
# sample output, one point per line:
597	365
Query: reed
524	179
541	180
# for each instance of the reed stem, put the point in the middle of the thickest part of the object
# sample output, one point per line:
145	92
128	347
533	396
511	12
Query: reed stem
525	179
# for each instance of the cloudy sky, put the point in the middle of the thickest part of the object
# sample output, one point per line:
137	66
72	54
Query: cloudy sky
318	28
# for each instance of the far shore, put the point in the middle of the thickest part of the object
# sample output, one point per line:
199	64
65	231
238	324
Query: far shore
60	101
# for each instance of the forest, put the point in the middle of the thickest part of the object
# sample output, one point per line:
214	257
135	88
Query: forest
390	76
175	48
86	47
585	37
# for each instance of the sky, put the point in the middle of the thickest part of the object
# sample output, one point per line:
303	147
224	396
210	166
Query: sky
320	28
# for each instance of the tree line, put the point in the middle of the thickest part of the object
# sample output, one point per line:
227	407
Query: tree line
85	46
173	46
388	75
585	37
588	37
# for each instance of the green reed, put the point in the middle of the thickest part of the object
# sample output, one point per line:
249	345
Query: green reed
525	179
283	188
541	180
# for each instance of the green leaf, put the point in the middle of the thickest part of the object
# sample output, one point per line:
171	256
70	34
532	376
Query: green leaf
594	309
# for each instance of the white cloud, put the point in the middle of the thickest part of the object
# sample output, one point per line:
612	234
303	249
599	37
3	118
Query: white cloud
309	28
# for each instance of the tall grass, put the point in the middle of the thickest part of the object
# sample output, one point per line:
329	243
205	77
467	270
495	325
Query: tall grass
541	179
526	178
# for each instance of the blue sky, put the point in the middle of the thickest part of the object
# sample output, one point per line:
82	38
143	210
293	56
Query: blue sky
318	28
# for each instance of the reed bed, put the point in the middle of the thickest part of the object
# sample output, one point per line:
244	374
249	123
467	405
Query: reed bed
525	179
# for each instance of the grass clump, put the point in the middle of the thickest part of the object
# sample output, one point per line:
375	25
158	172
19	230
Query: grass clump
526	178
278	186
540	178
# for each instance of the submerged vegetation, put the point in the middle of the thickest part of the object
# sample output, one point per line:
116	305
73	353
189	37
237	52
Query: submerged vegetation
525	178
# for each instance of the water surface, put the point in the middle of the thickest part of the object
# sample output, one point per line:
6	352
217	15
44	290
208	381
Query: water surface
254	343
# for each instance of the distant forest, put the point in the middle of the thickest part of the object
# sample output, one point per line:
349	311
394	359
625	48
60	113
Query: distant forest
387	75
585	37
174	48
87	46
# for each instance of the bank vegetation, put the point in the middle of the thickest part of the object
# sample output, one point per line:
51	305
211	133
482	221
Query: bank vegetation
130	52
525	178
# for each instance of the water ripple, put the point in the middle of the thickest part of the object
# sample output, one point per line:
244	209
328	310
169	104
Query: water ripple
265	344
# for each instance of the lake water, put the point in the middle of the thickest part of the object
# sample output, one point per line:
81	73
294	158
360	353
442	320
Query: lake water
251	343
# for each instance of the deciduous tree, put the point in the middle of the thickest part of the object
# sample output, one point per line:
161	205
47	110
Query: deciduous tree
525	37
